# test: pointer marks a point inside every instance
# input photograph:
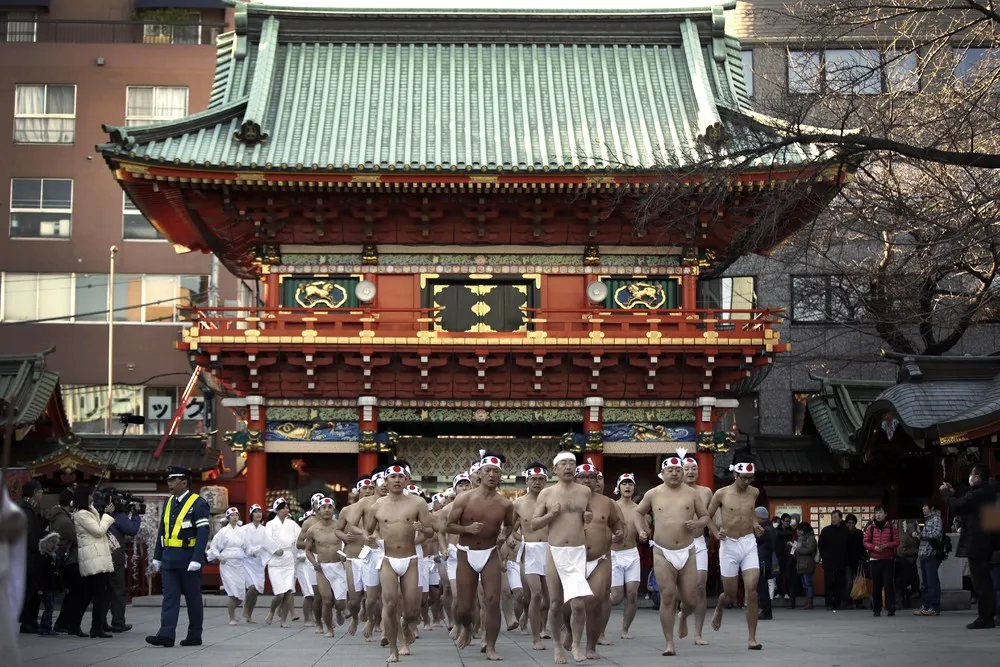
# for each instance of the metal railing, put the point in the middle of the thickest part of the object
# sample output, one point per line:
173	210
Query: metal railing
51	31
555	322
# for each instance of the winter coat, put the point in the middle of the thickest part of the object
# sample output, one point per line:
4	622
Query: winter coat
805	554
908	546
61	521
887	536
973	542
833	547
94	549
35	532
856	554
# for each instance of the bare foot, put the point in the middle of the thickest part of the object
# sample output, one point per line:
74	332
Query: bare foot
269	619
546	635
233	622
367	631
698	641
670	652
428	627
384	642
626	634
453	632
524	628
393	657
491	654
754	646
717	617
328	633
559	658
512	627
340	617
353	627
284	624
404	649
603	641
308	625
568	641
593	655
464	638
538	645
578	655
682	627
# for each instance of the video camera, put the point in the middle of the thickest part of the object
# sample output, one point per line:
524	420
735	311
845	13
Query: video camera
123	500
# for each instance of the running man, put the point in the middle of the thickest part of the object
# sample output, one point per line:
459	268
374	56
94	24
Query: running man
323	552
700	558
305	573
564	509
356	551
625	567
738	542
534	551
478	518
674	507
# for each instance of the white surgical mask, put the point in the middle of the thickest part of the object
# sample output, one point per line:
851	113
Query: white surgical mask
970	480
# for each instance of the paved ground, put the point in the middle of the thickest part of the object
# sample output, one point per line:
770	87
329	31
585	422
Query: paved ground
795	639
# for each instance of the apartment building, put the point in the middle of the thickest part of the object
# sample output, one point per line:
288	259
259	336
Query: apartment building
66	67
817	322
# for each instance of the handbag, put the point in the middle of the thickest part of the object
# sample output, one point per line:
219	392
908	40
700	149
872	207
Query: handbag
862	588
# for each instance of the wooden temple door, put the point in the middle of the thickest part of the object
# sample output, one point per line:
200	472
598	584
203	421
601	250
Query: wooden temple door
481	307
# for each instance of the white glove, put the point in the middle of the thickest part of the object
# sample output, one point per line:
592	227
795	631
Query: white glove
194	566
156	565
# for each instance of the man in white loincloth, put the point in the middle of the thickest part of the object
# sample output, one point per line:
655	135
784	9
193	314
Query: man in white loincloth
605	526
449	544
369	556
512	599
534	551
396	517
305	573
280	535
564	509
678	512
738	542
325	556
625	566
480	518
700	557
349	522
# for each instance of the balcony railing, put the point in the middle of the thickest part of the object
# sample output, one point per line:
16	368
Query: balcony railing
107	32
555	322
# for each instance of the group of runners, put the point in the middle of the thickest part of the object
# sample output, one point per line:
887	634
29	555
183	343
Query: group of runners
555	560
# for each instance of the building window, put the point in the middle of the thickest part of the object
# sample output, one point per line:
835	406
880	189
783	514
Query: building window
41	208
823	299
83	297
145	105
18	26
972	63
173	33
728	294
800	407
87	408
748	70
135	226
852	72
44	114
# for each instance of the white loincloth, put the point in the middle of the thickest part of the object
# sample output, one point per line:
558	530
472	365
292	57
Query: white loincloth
234	577
452	564
738	554
625	567
305	576
701	553
571	566
514	575
477	558
677	558
592	565
534	557
399	565
336	574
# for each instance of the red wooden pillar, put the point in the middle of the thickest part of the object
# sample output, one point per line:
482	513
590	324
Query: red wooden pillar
593	424
256	458
272	290
689	290
368	420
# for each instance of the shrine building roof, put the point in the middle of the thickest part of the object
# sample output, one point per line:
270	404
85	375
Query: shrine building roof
332	87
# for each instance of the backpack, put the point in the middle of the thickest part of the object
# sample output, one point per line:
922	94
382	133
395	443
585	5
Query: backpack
942	547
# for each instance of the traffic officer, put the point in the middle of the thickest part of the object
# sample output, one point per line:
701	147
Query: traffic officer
179	554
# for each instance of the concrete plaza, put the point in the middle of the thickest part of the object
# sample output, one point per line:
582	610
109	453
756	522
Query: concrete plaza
796	638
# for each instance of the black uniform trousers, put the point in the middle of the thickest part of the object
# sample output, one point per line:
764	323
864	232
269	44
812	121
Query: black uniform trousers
986	602
116	587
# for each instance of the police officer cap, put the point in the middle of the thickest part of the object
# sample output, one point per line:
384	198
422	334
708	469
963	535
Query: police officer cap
178	471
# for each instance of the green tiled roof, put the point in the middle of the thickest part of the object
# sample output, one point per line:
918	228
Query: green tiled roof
838	411
345	89
26	382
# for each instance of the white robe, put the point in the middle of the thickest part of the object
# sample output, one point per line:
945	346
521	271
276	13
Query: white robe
230	544
281	569
256	555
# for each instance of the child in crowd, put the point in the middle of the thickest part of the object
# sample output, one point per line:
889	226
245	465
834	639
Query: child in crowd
49	582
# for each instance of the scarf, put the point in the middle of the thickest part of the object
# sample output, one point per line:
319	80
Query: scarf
880	525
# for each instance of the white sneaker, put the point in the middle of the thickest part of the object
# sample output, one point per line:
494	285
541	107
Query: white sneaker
787	596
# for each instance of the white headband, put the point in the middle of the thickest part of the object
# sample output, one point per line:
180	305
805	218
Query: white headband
672	461
231	511
564	456
536	472
626	477
448	493
397	470
326	501
474	468
460	477
491	461
278	501
255	507
742	468
587	467
316	497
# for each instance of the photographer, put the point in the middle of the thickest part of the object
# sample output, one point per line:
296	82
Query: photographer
94	553
126	525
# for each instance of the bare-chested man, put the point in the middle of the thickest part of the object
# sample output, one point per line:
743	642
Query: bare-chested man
700	558
305	574
534	550
322	543
478	517
354	547
397	517
368	557
449	544
564	509
678	512
738	542
625	566
512	599
605	526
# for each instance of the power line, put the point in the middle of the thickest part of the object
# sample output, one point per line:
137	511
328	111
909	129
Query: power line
64	318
